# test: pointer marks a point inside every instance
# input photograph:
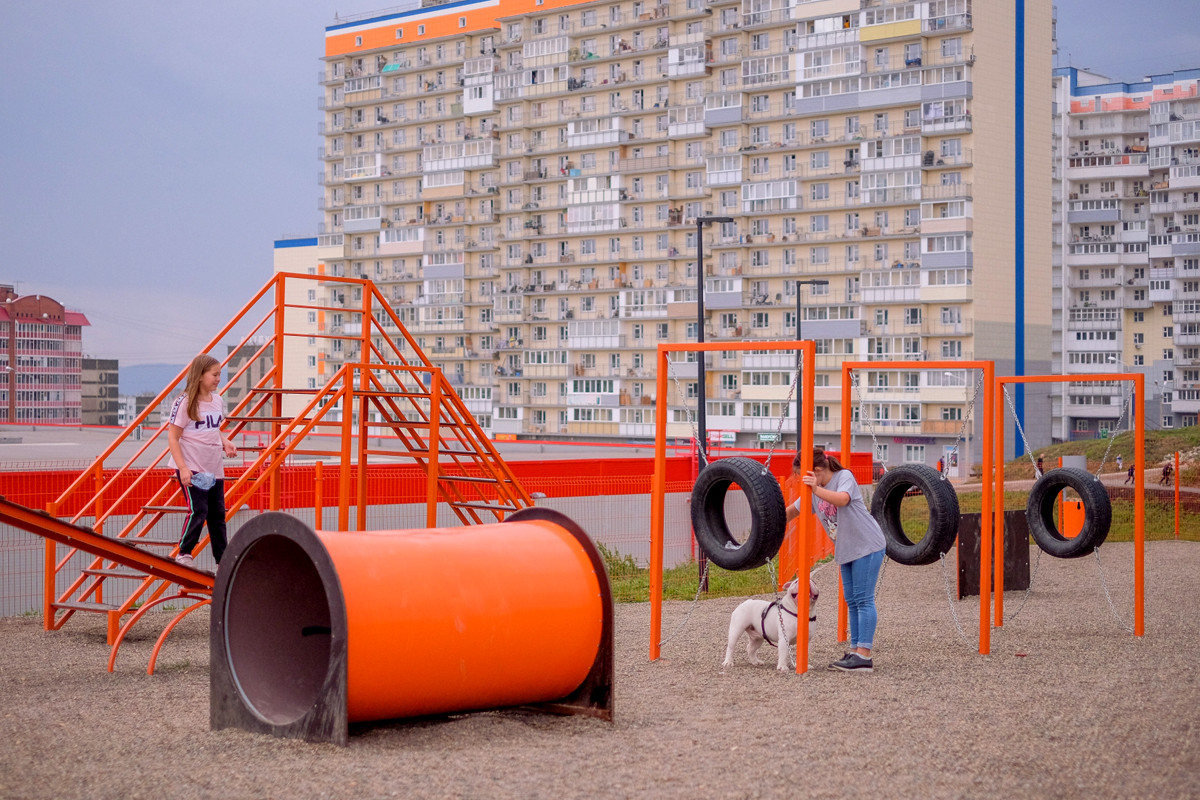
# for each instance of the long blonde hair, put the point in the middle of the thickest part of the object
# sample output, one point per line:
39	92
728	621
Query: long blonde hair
200	365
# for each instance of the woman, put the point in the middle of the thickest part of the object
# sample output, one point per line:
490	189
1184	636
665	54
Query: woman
858	550
197	445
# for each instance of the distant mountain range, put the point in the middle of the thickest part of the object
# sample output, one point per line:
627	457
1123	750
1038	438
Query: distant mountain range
144	378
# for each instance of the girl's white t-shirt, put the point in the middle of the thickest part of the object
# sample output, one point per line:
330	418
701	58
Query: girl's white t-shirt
201	439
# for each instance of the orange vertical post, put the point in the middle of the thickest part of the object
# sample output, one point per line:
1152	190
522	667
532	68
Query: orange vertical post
49	557
1176	494
319	495
435	401
804	530
276	489
365	318
347	440
1139	513
658	499
843	615
98	527
997	551
985	520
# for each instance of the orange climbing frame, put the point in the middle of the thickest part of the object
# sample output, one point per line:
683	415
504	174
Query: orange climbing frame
1139	486
313	630
800	543
987	418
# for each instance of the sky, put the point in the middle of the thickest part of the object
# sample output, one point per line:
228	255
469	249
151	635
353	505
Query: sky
152	152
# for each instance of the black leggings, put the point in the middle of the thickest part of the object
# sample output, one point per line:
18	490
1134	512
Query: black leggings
204	505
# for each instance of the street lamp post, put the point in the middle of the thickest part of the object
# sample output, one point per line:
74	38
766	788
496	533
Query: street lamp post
701	416
799	283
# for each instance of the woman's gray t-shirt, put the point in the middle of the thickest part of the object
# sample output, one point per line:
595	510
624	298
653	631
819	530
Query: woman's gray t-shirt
854	531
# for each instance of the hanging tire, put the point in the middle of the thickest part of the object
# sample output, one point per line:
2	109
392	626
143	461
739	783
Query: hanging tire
1097	512
943	513
768	514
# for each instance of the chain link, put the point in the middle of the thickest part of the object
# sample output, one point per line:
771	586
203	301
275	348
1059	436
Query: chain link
1020	430
1113	439
783	416
862	415
696	599
682	398
1107	596
950	601
1028	588
962	434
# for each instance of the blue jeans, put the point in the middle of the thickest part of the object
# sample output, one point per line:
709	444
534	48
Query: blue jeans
858	584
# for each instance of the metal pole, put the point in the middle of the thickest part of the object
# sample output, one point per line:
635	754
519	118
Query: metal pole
701	411
799	337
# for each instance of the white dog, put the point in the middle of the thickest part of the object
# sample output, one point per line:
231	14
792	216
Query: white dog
759	620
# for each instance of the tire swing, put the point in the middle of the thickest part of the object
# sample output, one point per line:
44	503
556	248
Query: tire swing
768	513
943	513
1097	512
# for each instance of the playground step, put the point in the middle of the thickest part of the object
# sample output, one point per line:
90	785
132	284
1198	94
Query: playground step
281	419
146	541
472	479
167	509
73	605
115	573
486	506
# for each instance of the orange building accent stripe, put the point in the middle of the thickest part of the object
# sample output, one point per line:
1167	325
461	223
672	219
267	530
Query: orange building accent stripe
438	22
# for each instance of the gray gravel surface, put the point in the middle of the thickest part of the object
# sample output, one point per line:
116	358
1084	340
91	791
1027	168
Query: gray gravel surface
1067	705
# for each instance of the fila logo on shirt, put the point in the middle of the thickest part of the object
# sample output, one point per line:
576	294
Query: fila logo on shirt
209	421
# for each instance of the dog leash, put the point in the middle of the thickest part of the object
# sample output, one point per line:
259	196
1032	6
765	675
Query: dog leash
762	624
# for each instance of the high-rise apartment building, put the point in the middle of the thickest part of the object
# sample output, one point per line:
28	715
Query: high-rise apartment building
528	181
41	344
100	390
1126	247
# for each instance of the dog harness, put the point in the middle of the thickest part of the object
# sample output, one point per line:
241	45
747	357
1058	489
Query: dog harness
762	624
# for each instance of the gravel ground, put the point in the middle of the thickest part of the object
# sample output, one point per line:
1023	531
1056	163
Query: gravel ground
1067	705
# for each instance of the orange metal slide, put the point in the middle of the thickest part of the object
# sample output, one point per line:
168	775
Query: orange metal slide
120	551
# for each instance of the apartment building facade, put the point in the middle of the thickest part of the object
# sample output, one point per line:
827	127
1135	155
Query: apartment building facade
528	183
1126	247
41	347
100	389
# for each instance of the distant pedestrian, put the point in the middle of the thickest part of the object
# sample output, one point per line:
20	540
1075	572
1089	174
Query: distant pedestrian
942	465
1129	479
1040	471
1167	469
1120	463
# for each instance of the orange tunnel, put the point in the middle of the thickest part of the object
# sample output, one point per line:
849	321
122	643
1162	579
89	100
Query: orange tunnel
311	631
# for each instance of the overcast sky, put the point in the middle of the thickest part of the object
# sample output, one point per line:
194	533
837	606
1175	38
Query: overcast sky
151	152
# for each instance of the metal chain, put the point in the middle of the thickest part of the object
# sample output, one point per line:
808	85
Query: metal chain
1113	439
1107	596
962	434
879	580
950	601
692	607
783	415
1028	588
862	415
682	397
1020	430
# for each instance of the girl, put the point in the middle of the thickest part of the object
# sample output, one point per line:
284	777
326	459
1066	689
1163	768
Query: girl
197	445
858	550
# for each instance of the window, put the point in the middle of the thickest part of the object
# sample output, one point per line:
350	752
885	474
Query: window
914	454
